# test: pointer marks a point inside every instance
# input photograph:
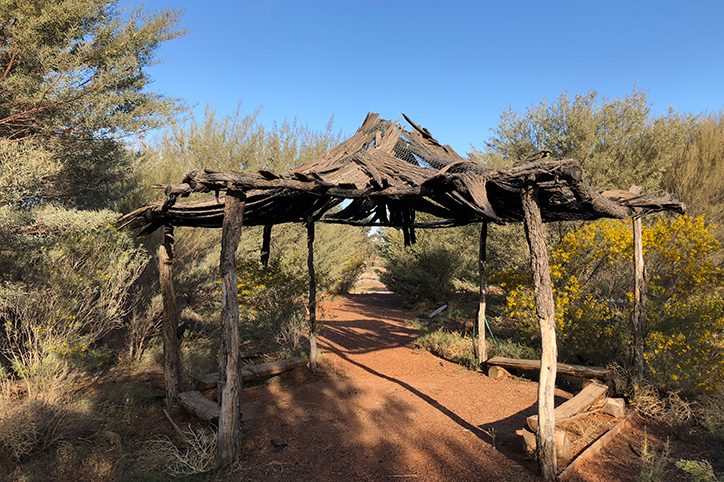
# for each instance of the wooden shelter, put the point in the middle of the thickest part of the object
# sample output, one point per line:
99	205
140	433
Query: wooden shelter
385	175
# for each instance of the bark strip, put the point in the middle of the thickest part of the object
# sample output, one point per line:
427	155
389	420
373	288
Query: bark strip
266	244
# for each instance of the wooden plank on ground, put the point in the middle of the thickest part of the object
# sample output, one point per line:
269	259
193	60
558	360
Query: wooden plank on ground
580	403
255	372
593	449
562	368
194	402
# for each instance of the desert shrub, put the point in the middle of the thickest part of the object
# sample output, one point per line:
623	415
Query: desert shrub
451	346
352	270
75	290
709	412
591	271
273	299
514	349
31	424
698	470
654	465
431	271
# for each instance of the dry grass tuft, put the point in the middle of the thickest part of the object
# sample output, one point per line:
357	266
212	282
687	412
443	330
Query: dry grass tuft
197	455
671	410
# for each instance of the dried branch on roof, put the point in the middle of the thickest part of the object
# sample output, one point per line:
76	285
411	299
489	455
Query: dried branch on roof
390	174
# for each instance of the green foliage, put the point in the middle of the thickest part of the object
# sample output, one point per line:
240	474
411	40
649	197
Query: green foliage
699	471
77	291
697	174
591	270
449	345
653	465
272	299
73	84
431	271
617	141
353	268
710	414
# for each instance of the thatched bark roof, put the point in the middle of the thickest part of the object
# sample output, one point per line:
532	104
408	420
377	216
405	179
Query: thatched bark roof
387	175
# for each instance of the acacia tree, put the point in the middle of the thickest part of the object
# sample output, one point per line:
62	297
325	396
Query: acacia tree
697	174
618	141
73	89
73	85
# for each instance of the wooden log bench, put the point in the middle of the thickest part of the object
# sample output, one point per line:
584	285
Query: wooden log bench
562	368
255	372
196	403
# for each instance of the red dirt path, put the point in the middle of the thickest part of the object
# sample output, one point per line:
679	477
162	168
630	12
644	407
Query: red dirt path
378	409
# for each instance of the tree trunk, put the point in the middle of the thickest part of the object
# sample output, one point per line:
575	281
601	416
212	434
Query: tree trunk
170	317
229	372
638	320
480	348
545	436
313	327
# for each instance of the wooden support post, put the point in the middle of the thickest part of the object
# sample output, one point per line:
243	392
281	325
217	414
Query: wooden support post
229	370
479	346
545	436
638	319
170	317
313	326
266	244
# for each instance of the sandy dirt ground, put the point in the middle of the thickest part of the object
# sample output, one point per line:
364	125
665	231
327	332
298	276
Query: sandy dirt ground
378	409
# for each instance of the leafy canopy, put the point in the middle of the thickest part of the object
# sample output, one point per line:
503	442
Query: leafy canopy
73	85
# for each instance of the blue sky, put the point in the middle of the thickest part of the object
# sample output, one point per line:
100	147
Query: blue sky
451	66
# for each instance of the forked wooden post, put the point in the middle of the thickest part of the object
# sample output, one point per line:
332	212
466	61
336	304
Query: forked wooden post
313	327
229	370
170	317
638	320
545	436
479	345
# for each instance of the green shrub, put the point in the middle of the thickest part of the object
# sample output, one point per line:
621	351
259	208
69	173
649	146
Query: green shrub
430	271
449	345
700	471
352	270
74	290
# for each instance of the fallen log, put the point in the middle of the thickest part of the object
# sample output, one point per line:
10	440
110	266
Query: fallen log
593	449
194	402
562	368
255	372
578	404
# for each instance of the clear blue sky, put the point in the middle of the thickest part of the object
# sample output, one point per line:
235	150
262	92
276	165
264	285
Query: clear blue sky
451	66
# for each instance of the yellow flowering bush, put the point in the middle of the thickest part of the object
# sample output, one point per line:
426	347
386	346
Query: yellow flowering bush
592	273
